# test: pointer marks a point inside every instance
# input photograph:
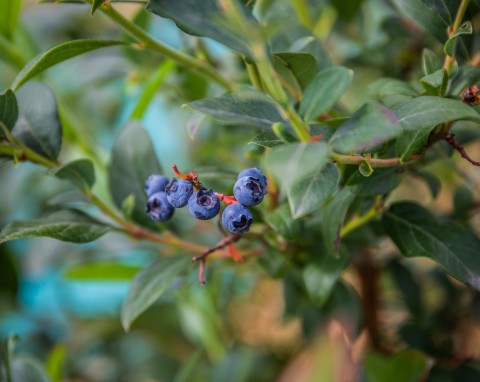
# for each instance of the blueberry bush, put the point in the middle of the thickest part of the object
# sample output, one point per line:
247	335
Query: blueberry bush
288	189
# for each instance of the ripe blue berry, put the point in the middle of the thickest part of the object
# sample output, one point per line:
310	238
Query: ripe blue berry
204	204
255	173
158	207
155	183
249	190
237	218
178	192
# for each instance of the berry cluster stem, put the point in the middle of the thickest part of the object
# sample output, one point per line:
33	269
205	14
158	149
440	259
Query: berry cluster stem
192	176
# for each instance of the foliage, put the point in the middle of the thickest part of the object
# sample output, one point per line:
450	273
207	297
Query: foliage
365	117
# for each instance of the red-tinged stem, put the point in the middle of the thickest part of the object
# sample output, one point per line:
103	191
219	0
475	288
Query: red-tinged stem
450	138
227	199
192	176
221	244
235	254
201	272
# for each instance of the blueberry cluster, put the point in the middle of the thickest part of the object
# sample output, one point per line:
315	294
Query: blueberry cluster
204	204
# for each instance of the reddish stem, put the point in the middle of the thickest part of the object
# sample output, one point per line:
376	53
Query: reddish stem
235	254
201	272
221	244
226	198
450	138
192	176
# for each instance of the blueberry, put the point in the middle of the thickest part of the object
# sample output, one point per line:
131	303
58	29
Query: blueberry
155	183
158	207
178	192
237	218
249	190
255	173
204	204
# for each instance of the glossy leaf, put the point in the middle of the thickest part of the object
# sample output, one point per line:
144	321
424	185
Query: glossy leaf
430	62
380	182
333	216
101	271
424	14
427	111
412	142
321	275
295	162
133	161
416	232
309	194
365	169
248	108
66	225
282	221
298	69
8	110
394	91
406	366
265	139
324	91
80	173
465	28
435	83
368	128
9	17
58	54
204	18
38	125
151	283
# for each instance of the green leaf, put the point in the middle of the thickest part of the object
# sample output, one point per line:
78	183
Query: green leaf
133	161
265	139
66	225
424	14
416	232
450	45
427	111
436	83
202	18
321	275
365	169
80	173
295	162
58	54
9	17
95	5
150	284
8	109
298	69
324	91
309	194
396	91
381	182
430	62
333	216
106	270
38	126
412	142
246	107
368	128
405	366
281	221
406	286
28	369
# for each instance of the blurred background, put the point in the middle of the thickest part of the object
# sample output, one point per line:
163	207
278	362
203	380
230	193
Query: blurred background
63	300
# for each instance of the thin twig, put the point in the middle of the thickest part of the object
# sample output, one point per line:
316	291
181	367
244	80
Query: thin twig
221	244
450	138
